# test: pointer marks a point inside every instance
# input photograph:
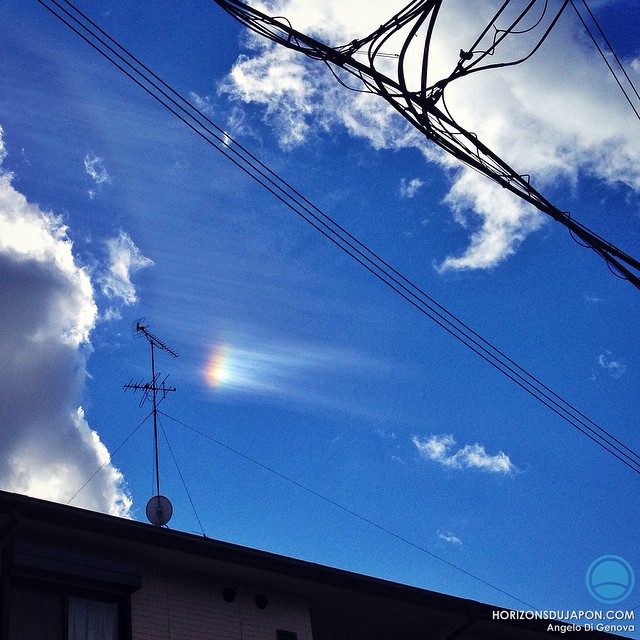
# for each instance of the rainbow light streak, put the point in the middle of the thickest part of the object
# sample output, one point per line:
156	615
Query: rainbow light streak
217	371
238	369
283	371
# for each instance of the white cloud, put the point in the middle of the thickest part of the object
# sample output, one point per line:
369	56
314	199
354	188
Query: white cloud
409	188
556	117
504	222
3	150
94	166
124	260
281	83
47	312
203	103
471	456
614	368
450	538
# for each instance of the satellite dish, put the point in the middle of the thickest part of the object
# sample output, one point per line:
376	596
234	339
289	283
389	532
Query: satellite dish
159	511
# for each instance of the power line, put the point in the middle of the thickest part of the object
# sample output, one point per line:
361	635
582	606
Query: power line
215	136
425	109
347	510
604	57
108	460
184	484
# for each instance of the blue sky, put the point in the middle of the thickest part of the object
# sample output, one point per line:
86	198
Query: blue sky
293	355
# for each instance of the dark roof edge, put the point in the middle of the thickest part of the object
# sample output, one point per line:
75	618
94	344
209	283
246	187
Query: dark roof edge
61	515
27	508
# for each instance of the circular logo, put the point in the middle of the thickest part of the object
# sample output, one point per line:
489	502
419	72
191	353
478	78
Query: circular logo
610	579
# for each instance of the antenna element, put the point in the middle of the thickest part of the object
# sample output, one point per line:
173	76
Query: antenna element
159	509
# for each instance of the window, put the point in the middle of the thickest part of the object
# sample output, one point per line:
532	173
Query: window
92	620
40	612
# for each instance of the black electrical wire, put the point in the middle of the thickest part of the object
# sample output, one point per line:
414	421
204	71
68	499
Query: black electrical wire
347	510
470	62
203	126
615	55
604	57
184	484
106	462
421	110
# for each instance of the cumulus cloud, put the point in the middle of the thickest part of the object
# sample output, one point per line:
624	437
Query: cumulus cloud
553	117
124	259
47	311
471	456
615	368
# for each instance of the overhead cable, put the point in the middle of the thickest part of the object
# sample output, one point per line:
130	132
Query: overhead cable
604	57
184	483
424	107
108	460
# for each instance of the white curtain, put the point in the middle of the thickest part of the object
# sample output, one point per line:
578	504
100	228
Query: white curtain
92	620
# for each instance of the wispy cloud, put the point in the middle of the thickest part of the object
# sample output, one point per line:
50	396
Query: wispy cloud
94	166
47	312
280	82
283	370
471	456
615	368
450	538
124	260
409	188
539	116
268	371
203	103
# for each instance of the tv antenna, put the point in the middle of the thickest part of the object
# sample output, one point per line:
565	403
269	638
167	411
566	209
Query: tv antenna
159	509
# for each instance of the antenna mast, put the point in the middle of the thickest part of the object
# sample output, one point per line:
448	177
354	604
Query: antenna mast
159	509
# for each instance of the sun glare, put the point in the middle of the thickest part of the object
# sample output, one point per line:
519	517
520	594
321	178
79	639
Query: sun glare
217	370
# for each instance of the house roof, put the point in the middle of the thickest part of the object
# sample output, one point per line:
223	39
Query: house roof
342	604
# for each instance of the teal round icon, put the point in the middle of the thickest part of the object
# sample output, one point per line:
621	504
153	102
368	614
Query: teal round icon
610	579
